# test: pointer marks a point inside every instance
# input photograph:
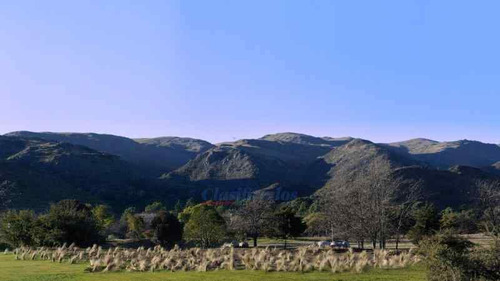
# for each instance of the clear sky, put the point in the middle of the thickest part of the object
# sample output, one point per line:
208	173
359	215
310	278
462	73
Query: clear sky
224	70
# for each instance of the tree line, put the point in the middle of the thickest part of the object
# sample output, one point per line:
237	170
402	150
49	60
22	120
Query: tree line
205	224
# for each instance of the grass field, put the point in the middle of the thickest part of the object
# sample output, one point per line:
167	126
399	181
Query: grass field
11	269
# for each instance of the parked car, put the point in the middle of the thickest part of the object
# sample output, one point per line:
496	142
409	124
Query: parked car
232	244
342	244
325	243
235	244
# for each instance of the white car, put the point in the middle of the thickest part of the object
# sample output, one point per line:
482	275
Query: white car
232	244
322	244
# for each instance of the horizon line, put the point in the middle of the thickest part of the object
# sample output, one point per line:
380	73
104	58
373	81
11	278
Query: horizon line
239	139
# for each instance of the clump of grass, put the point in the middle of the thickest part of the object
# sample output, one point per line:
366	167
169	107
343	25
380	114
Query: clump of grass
303	259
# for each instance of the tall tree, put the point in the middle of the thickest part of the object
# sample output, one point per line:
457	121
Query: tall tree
135	225
288	225
126	212
103	216
253	218
426	223
70	221
178	208
369	202
167	228
489	204
205	226
406	203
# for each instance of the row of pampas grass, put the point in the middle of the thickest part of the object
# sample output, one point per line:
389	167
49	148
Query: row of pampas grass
303	259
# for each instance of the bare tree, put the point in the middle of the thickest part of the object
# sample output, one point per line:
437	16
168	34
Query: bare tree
406	203
253	218
362	202
341	214
347	207
489	203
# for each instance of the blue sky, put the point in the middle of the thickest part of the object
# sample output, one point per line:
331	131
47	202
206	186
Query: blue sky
224	70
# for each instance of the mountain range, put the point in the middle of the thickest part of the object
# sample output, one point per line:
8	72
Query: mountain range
156	155
39	168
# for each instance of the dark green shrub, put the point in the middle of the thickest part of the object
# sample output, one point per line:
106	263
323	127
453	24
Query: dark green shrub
70	221
426	223
452	258
287	224
487	262
447	257
167	229
17	228
463	222
205	226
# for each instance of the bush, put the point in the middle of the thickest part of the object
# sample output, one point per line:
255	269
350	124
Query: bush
487	262
70	221
463	222
450	257
66	222
447	256
17	228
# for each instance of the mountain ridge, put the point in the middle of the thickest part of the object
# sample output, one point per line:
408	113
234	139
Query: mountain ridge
37	172
151	153
299	163
447	154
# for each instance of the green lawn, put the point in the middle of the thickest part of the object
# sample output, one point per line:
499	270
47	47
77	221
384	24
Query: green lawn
10	269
